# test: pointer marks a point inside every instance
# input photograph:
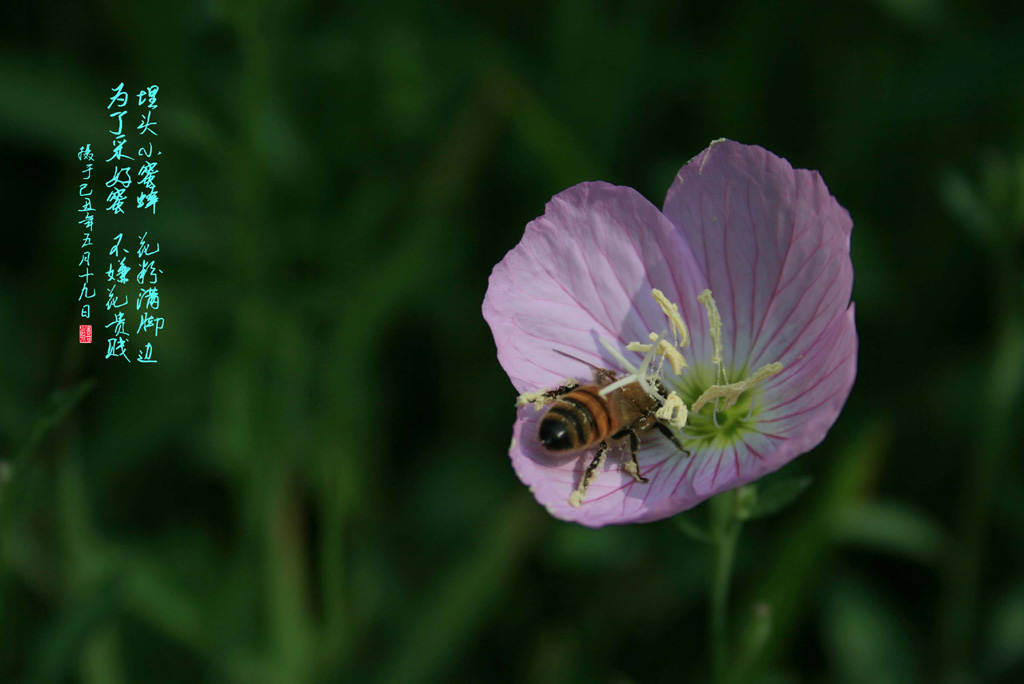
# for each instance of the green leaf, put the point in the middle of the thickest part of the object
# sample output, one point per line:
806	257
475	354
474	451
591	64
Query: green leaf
451	614
1005	647
57	406
917	13
866	639
892	528
776	496
61	641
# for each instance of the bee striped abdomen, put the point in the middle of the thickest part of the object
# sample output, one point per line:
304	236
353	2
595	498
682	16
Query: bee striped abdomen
577	420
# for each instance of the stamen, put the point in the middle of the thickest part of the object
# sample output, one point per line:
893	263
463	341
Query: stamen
750	411
665	351
714	414
715	324
642	374
671	311
661	359
639	347
731	392
673	411
615	353
674	357
621	382
638	374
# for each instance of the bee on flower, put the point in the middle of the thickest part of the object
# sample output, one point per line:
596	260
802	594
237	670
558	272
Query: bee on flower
665	356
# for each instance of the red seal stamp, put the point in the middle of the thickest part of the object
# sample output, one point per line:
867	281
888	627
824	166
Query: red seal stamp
85	334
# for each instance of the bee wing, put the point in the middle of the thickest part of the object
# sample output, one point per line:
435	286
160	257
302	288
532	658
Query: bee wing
602	376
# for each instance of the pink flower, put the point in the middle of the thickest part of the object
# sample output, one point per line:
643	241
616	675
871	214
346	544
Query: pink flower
769	353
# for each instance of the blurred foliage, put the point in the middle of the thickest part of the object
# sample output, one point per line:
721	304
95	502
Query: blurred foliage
311	486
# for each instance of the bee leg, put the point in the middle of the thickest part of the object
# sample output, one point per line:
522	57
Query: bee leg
672	436
541	399
632	467
551	395
589	475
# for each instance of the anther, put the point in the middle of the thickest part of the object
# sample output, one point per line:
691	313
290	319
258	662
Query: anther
673	411
665	350
671	311
731	392
715	331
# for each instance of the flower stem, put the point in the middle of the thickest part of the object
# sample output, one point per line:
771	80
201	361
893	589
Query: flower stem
725	532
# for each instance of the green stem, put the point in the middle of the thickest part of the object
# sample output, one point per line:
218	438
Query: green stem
725	532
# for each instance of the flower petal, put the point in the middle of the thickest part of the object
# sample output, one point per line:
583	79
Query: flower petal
774	245
583	270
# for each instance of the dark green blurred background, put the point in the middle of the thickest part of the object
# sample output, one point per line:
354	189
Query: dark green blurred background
312	486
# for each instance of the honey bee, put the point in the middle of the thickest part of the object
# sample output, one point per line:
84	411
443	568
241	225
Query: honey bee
580	417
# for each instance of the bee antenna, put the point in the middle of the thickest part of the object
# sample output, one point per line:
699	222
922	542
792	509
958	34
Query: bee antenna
576	358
